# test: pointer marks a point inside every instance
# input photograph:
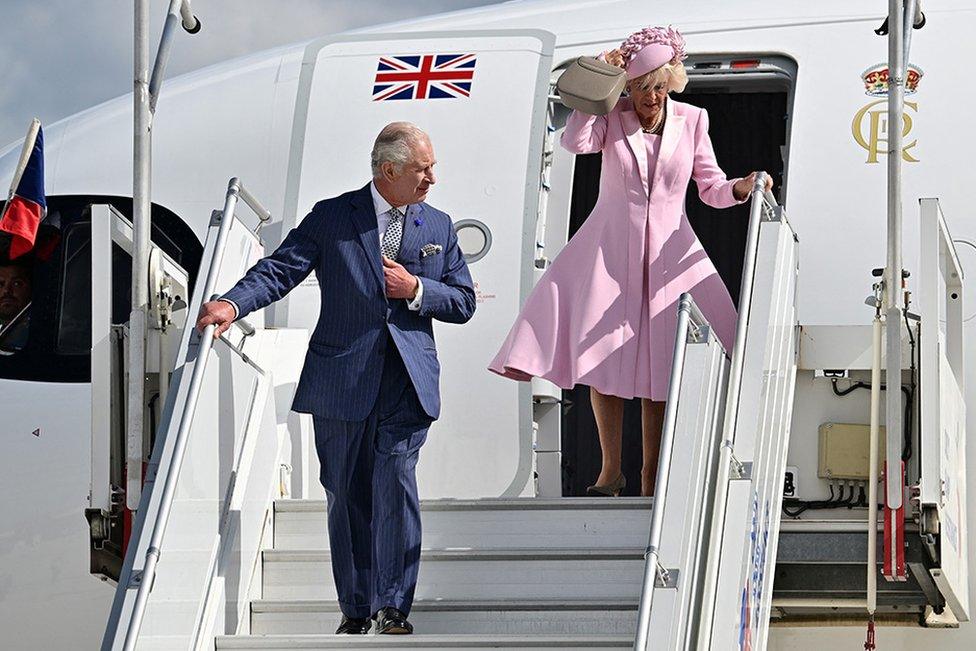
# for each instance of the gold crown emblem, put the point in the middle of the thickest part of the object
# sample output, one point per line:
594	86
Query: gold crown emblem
876	80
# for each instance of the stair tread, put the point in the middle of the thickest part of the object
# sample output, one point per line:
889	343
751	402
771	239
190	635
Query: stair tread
505	554
331	605
408	641
496	504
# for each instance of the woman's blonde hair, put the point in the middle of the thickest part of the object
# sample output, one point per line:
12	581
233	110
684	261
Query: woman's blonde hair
674	73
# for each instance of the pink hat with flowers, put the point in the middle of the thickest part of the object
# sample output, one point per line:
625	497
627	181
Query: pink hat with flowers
651	48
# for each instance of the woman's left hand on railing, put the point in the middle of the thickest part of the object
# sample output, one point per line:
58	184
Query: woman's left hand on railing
743	187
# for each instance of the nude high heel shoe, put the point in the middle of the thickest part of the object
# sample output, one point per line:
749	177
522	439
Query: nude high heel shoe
610	490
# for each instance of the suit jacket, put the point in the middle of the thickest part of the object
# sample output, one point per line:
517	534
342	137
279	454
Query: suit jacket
339	240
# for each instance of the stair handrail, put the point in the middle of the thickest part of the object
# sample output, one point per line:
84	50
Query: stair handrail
763	204
691	321
144	580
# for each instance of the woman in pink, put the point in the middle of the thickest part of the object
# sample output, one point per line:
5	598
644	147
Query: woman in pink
605	312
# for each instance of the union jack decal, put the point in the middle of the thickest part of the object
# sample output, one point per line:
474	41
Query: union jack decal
424	76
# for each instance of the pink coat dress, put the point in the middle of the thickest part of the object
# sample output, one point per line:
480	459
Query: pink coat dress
605	312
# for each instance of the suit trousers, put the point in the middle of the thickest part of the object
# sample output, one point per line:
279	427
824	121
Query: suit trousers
368	470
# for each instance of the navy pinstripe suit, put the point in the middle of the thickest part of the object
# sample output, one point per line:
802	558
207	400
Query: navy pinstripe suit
370	380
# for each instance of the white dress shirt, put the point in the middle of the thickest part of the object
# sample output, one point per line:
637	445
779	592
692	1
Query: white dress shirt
382	208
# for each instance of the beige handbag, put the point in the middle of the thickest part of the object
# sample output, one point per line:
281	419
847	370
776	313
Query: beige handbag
591	85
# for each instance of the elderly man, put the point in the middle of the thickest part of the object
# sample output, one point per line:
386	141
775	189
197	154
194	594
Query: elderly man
387	265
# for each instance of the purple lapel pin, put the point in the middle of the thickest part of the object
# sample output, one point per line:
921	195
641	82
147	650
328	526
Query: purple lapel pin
418	222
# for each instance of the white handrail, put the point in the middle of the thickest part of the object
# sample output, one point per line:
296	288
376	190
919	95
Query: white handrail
144	581
690	319
762	201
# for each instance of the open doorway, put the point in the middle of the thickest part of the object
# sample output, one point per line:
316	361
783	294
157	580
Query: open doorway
749	102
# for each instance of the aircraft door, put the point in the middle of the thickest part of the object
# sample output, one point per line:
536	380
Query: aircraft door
942	486
109	257
482	97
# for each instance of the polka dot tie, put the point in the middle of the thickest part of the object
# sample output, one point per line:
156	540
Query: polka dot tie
393	235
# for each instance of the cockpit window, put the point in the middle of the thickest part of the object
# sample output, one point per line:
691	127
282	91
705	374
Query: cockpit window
74	311
46	297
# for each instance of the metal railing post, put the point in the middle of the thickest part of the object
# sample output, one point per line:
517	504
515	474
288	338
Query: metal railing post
144	94
688	315
893	268
141	177
872	569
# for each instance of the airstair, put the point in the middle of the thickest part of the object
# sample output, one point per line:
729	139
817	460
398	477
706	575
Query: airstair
221	557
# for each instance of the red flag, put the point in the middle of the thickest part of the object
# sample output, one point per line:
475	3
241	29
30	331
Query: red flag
26	205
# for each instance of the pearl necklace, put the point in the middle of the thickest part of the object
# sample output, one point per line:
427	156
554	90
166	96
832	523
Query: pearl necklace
658	123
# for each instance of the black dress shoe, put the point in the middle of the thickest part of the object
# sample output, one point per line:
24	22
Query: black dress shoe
390	621
354	626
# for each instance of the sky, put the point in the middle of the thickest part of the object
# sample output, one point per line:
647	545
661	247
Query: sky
58	57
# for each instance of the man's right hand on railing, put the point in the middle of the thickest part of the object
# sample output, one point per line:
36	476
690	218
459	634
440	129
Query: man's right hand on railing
219	313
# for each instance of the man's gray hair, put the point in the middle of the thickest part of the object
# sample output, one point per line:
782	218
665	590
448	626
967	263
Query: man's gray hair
395	144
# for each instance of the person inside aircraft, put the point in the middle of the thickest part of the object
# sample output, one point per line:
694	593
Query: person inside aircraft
15	298
605	312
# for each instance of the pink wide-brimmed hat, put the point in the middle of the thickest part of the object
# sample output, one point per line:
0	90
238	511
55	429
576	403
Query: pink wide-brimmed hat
651	48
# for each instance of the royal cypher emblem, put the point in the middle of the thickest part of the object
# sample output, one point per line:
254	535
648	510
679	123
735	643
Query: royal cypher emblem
876	80
870	125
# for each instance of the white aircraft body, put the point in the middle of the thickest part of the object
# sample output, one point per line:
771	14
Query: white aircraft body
796	88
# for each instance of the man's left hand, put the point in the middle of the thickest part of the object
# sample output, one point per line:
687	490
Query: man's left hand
400	283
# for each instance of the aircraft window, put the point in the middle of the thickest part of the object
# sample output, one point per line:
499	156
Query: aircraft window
29	346
474	239
74	327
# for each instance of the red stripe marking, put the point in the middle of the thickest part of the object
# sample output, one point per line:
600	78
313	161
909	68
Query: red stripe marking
426	63
452	75
457	89
394	64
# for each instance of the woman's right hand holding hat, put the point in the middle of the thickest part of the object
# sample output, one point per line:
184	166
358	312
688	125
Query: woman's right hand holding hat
613	57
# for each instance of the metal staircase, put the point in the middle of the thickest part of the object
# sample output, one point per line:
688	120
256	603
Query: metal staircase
521	573
495	573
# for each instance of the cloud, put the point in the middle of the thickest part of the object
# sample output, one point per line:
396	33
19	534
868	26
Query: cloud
59	57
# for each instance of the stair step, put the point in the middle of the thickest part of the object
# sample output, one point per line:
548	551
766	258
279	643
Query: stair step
578	522
423	642
483	617
591	574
